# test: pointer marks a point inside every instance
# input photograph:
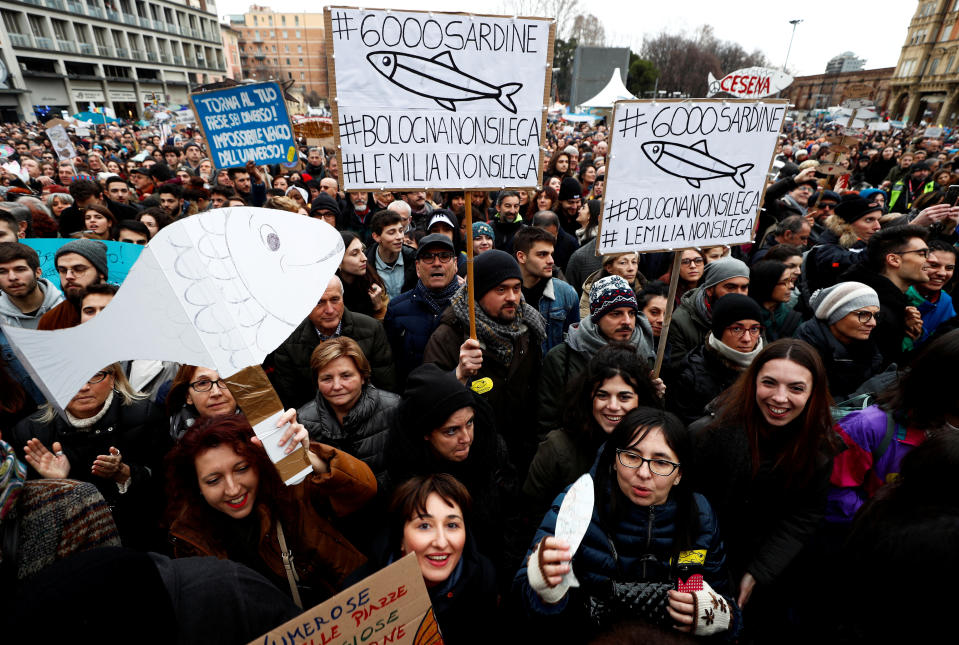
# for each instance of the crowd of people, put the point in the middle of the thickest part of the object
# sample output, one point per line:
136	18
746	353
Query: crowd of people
796	448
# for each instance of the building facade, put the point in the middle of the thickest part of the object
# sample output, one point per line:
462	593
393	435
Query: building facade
64	55
925	86
845	62
231	51
284	46
820	91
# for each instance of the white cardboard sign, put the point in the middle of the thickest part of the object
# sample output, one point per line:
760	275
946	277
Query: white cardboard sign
686	173
438	100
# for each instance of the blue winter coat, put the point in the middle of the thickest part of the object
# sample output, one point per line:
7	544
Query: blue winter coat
409	323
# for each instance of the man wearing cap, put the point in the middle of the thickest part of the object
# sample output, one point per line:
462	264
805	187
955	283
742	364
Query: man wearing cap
504	363
693	319
845	318
80	264
444	222
842	244
917	182
413	315
293	379
508	220
613	317
142	181
821	204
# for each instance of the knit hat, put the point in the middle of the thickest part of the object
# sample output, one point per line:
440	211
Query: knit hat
571	150
94	251
724	269
492	268
838	301
869	193
482	228
432	394
570	188
731	308
852	209
611	292
434	239
325	202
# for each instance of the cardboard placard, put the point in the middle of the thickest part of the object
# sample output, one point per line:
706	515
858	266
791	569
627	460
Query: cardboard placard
120	257
932	133
438	100
858	91
390	606
245	123
880	126
749	83
686	173
62	144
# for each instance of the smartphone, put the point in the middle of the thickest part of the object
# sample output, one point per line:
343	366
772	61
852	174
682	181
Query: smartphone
952	195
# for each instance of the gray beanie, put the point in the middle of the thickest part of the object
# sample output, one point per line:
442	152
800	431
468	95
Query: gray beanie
724	269
838	301
94	251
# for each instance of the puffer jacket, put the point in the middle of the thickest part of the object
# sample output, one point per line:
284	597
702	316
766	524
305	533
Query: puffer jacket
409	323
641	530
848	366
322	556
836	252
365	430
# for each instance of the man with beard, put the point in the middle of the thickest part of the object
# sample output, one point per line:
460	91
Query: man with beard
314	163
915	184
80	263
612	318
556	301
508	220
570	199
357	215
503	364
412	316
420	207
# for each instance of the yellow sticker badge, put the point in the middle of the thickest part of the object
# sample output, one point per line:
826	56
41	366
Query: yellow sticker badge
696	556
482	386
291	154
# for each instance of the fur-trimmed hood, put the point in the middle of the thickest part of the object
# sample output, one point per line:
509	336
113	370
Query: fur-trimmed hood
843	230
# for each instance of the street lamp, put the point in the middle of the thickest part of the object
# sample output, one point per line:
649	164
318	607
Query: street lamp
793	22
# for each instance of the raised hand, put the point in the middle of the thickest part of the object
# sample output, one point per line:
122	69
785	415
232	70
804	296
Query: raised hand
51	465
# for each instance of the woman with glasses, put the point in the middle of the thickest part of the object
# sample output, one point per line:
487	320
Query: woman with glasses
646	526
691	268
763	462
771	286
845	317
729	348
108	435
197	392
625	265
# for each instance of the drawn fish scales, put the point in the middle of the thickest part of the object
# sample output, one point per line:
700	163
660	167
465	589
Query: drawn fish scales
692	163
220	289
440	80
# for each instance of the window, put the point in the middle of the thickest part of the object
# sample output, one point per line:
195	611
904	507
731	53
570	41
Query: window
302	76
952	58
256	35
117	39
36	25
283	20
301	62
933	66
271	20
11	22
59	29
287	61
285	34
296	20
99	35
297	33
287	49
299	49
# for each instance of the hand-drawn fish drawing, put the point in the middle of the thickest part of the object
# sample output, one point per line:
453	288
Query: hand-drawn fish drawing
219	289
692	163
439	79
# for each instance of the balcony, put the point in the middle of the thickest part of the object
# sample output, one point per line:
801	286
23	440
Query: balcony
87	48
74	6
190	62
35	2
96	12
43	43
103	51
59	5
144	22
66	46
129	19
178	60
137	54
20	40
122	52
153	57
113	16
259	56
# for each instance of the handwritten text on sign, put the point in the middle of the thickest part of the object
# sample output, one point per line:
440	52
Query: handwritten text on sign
247	123
438	100
686	174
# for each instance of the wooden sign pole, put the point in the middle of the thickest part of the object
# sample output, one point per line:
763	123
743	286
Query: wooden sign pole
670	299
469	262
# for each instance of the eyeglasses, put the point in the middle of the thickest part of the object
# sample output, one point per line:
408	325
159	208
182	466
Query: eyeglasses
739	330
866	316
693	261
661	467
77	270
923	253
443	256
99	377
827	207
205	385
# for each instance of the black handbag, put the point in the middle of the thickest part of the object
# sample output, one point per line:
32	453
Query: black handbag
643	600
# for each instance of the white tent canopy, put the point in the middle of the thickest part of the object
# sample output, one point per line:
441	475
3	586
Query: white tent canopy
614	91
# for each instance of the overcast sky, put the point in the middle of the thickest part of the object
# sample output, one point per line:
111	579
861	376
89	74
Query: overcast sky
872	30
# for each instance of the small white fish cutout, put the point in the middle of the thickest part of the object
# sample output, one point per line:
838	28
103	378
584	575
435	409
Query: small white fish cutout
219	289
574	516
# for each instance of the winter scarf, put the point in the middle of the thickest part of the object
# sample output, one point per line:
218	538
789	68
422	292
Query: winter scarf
736	359
13	472
585	338
498	337
438	301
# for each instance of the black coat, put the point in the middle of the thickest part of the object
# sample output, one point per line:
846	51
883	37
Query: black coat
848	366
703	375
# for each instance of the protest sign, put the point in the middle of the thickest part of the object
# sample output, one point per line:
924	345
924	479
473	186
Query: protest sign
245	123
686	173
879	126
438	100
120	257
932	133
749	83
390	606
61	143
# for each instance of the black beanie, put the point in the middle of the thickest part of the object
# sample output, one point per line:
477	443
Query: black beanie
431	396
491	268
731	308
570	188
852	209
325	202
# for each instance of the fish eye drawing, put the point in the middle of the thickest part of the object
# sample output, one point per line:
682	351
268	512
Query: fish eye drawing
692	163
439	79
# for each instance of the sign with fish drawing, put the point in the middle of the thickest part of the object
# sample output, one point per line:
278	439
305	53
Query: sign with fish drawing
438	100
246	123
685	174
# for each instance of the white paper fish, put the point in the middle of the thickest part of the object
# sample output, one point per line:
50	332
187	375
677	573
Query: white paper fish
574	516
220	289
750	83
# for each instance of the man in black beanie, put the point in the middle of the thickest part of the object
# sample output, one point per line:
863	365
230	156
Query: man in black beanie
503	365
570	199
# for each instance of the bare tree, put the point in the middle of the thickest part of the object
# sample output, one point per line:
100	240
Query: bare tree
563	11
588	30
